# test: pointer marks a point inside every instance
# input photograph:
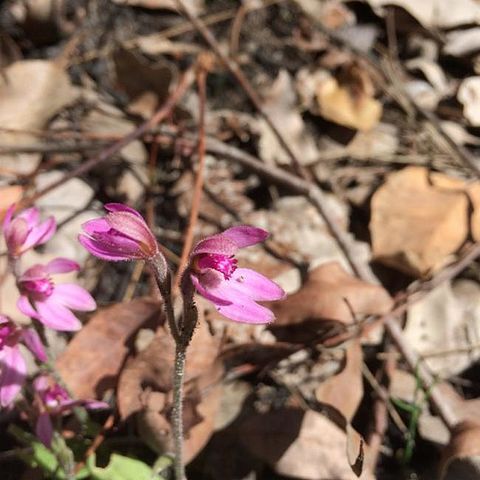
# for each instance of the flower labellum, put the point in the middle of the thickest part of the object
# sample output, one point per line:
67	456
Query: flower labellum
51	303
25	231
121	235
234	291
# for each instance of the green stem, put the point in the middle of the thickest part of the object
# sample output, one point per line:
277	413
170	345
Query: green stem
177	413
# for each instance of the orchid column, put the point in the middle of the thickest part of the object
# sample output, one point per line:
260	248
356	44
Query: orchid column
212	271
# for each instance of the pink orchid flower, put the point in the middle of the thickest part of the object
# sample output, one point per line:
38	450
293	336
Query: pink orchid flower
121	235
55	400
13	369
25	231
51	303
234	291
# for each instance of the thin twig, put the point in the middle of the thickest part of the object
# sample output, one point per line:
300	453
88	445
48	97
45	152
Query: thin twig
237	72
185	81
198	187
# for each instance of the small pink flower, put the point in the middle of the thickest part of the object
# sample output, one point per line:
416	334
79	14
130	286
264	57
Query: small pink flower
50	303
121	235
25	231
13	369
55	400
234	291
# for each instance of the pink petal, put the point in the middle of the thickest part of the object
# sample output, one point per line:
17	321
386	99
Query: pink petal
255	285
208	291
41	233
8	216
13	371
24	305
133	227
31	216
110	252
245	235
245	310
74	297
61	265
97	225
44	429
56	316
32	340
120	207
218	244
17	233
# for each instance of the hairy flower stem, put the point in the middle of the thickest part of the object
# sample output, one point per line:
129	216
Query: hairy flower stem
177	413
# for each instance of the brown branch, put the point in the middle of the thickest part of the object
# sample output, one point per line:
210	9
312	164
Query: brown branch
197	189
245	84
185	81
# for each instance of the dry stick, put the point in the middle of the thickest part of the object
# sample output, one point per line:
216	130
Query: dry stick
185	81
197	189
236	71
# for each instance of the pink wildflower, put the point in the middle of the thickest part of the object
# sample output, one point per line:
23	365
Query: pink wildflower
234	291
55	400
121	235
50	303
13	369
25	231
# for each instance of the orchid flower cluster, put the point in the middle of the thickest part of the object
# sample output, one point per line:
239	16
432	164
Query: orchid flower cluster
48	303
212	271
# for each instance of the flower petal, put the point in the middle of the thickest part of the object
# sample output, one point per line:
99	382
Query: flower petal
109	252
245	310
135	228
24	305
13	371
120	207
74	297
61	265
32	340
44	429
207	289
255	285
8	216
245	235
16	235
41	233
56	316
217	244
95	226
31	216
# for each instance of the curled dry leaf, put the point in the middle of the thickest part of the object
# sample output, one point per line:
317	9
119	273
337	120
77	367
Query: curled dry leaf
145	390
348	99
412	239
92	361
461	458
27	106
330	294
302	444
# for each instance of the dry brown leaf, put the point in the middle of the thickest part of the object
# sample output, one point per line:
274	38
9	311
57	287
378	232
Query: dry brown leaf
461	458
145	385
415	225
92	361
146	84
348	99
329	294
345	389
28	105
301	444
